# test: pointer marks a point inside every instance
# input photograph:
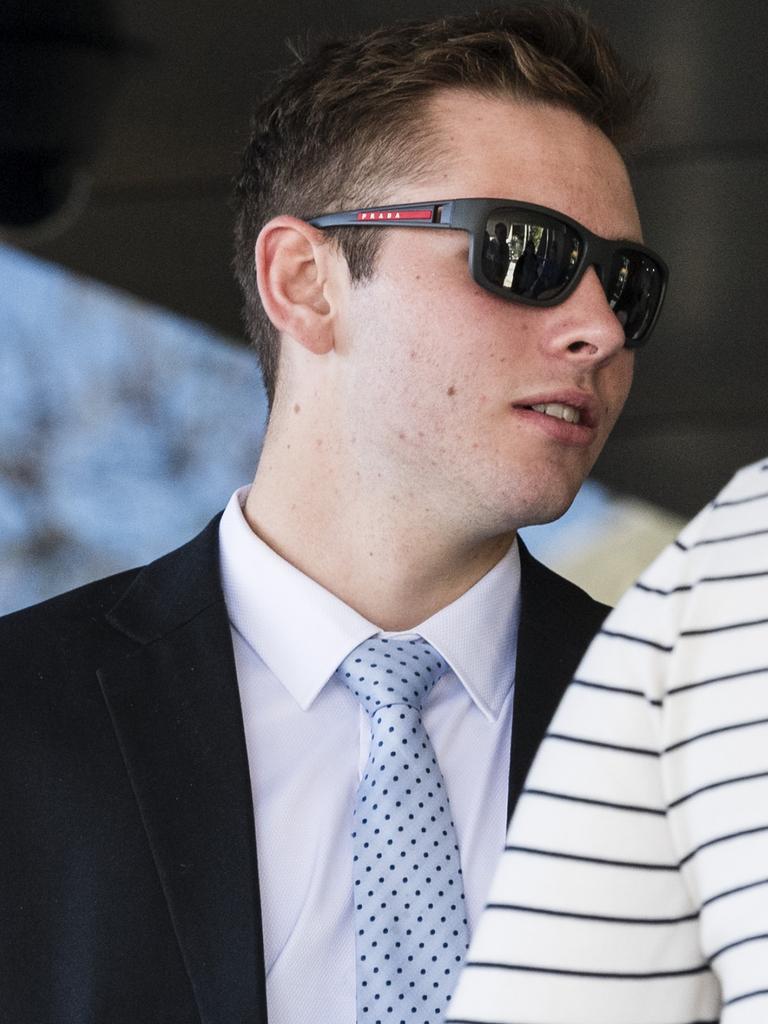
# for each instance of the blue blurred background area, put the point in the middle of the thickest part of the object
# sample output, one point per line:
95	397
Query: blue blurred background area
123	428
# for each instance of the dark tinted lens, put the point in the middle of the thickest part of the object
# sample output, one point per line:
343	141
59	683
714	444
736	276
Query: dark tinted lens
531	257
634	291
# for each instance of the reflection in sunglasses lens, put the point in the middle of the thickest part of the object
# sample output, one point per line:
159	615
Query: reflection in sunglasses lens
635	284
534	260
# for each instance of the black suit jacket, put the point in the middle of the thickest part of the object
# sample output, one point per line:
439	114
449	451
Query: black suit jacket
128	879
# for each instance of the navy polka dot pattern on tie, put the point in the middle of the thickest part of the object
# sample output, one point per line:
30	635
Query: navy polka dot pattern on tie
410	918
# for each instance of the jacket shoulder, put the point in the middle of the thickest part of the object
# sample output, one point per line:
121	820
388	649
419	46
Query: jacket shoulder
547	589
112	615
31	635
95	595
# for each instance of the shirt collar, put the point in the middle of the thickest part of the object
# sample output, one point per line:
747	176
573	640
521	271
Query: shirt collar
282	615
477	634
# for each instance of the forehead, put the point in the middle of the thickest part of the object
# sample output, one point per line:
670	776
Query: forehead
530	151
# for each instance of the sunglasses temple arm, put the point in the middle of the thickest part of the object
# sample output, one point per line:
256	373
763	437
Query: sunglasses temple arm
412	215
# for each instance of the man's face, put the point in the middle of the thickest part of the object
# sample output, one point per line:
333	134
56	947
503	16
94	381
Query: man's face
440	375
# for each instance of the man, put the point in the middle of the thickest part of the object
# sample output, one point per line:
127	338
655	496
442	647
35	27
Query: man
168	729
633	887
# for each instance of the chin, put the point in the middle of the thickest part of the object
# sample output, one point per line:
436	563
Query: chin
543	508
539	490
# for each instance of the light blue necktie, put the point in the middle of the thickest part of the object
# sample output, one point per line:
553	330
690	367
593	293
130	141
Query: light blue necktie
410	918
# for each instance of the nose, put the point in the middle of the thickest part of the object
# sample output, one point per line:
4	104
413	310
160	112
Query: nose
586	329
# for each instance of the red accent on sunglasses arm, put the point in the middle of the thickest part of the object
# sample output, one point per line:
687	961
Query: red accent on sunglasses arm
425	214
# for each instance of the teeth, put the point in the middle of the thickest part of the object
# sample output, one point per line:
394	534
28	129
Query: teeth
559	411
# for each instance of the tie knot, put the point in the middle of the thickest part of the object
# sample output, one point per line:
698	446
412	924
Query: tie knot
384	671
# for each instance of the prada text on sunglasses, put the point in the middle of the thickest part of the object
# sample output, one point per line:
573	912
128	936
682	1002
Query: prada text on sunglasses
534	255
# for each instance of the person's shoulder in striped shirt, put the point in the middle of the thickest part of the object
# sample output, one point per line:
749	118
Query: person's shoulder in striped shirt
633	888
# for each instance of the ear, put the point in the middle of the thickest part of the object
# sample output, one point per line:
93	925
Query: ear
295	273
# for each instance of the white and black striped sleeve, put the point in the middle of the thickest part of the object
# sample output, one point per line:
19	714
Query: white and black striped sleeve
634	884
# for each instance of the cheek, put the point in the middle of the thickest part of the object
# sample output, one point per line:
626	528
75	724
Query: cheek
432	335
626	375
618	386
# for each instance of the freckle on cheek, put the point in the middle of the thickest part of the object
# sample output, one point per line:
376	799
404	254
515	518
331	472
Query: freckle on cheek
297	408
451	391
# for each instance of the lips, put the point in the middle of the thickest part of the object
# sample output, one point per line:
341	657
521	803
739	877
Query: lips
569	416
560	411
571	405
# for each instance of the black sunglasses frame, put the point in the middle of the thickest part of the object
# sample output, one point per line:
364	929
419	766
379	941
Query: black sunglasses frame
472	216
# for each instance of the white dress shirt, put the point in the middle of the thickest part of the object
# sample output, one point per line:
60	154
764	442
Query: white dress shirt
308	743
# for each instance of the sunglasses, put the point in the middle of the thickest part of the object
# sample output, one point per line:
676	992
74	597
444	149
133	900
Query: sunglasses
534	255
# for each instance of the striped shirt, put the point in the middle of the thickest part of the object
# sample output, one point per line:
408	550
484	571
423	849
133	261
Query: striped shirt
633	888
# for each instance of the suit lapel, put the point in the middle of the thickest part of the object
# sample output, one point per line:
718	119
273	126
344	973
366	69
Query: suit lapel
176	712
557	622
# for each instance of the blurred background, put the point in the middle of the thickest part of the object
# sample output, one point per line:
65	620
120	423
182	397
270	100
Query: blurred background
130	407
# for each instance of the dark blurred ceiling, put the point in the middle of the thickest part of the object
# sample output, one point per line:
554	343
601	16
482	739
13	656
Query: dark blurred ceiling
158	223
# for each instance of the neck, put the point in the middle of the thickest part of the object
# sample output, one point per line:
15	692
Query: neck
393	555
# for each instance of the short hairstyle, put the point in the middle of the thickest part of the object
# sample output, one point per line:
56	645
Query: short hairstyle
345	123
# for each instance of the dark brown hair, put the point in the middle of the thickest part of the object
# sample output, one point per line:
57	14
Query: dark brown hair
345	123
